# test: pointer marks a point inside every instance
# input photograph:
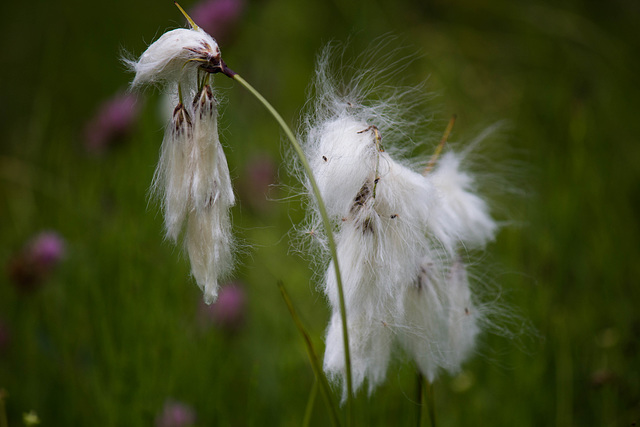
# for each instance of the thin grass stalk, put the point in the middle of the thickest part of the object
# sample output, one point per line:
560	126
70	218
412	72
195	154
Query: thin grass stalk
431	404
419	398
443	141
313	357
327	225
310	404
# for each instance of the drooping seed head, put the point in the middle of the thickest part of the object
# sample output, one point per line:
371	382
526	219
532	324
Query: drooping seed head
173	54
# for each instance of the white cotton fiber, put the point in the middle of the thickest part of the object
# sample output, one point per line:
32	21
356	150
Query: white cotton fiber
192	177
398	234
208	239
342	158
166	59
172	179
463	215
370	344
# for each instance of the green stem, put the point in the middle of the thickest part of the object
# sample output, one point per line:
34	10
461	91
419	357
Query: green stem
310	404
327	225
419	388
431	403
313	357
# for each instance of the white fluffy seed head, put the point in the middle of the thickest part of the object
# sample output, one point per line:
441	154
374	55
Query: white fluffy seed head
209	244
211	184
174	53
464	318
208	240
345	104
193	182
342	156
463	215
370	345
192	178
440	318
398	232
172	179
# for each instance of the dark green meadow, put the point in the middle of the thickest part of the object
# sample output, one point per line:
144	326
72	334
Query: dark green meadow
116	329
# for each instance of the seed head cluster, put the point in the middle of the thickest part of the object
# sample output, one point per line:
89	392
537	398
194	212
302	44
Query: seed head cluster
192	177
399	232
403	233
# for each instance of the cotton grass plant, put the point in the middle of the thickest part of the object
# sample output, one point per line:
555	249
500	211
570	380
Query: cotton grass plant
402	229
395	274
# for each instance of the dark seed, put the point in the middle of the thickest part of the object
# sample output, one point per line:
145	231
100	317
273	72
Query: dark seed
367	226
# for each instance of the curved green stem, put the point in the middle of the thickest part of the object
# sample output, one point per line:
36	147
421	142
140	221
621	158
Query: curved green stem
327	225
308	412
431	403
321	379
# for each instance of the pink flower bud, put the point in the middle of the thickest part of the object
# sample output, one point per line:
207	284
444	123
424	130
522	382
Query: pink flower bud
228	312
30	267
47	249
176	414
112	122
218	17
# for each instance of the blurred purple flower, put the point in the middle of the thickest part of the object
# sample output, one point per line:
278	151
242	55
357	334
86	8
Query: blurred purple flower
217	17
33	264
260	175
176	414
228	311
47	248
112	122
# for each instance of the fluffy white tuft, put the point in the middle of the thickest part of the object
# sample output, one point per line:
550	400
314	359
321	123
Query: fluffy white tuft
192	180
439	321
398	232
171	56
172	179
462	212
370	342
192	177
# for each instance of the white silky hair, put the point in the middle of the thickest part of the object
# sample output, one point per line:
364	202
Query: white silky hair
208	239
398	232
439	318
192	178
370	342
171	181
463	214
342	160
170	57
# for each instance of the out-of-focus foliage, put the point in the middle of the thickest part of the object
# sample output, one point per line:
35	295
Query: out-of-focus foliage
116	332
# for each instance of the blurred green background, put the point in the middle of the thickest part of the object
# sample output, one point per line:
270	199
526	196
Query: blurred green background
116	330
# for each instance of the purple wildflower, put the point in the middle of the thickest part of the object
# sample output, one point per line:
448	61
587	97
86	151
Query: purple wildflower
33	264
176	414
113	122
228	311
218	17
47	248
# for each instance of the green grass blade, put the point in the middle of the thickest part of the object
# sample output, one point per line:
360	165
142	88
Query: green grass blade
310	404
313	358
